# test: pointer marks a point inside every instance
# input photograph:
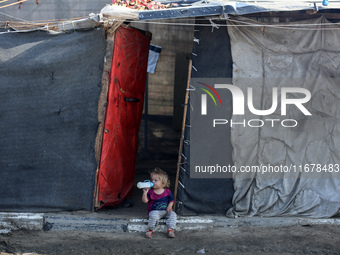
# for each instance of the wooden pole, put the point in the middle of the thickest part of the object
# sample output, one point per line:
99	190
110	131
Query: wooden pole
102	104
183	128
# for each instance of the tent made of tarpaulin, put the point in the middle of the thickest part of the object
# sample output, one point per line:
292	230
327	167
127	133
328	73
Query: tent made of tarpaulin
273	130
50	85
54	135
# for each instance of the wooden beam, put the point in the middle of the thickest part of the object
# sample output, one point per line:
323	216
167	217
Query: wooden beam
102	104
87	23
183	128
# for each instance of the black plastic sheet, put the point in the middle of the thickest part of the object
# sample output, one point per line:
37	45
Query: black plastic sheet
206	195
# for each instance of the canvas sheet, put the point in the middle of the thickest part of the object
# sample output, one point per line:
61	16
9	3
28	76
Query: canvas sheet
50	85
304	179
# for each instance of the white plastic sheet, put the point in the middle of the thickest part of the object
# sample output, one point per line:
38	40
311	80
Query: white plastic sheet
116	12
154	53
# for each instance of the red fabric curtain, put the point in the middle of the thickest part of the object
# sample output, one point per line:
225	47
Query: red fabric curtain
123	116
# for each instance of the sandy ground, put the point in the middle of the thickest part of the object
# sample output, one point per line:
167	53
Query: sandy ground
321	239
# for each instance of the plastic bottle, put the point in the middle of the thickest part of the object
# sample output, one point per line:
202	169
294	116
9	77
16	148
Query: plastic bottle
146	184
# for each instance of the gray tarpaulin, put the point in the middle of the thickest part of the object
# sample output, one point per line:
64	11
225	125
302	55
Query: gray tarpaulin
307	178
49	90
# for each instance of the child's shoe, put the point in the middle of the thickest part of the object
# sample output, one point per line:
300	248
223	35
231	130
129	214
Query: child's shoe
148	234
171	233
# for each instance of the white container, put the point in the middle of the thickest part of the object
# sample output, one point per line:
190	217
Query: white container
144	185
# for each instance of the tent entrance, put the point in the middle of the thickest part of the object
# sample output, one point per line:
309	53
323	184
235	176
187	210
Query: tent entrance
158	143
158	138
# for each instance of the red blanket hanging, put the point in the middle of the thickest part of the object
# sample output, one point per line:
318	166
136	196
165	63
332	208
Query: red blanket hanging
123	116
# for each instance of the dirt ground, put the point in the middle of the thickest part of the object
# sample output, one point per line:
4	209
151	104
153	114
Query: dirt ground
315	239
321	239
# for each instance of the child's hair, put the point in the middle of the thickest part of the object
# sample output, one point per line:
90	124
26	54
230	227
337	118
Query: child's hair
163	176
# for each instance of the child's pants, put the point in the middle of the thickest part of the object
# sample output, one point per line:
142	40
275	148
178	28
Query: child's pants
156	215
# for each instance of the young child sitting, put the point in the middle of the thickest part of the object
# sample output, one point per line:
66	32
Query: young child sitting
160	201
